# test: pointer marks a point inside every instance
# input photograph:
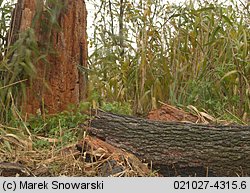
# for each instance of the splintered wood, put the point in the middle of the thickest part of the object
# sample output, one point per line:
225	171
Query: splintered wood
113	161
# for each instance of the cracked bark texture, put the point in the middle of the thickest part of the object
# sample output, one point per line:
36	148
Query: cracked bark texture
59	82
179	148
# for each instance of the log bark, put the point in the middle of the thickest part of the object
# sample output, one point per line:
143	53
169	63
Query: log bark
179	148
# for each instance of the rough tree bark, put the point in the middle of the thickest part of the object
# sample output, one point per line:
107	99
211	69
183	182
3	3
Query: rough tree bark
179	148
60	82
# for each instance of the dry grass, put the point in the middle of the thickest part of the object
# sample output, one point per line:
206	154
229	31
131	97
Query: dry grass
84	158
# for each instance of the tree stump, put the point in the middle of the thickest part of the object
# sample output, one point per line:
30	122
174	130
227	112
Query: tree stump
61	80
179	148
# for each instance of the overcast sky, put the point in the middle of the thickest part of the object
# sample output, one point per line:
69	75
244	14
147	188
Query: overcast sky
91	10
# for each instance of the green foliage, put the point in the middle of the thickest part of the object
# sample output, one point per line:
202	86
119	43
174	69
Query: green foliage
61	126
52	131
195	53
16	68
117	107
216	77
41	144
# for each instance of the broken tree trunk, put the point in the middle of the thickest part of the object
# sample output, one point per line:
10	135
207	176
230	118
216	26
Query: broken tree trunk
179	148
61	79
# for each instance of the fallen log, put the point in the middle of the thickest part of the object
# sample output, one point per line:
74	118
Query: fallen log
178	149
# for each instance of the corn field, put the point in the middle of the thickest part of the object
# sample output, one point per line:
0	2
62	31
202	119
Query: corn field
195	53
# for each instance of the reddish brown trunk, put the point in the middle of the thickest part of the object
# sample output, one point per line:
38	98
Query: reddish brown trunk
59	82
